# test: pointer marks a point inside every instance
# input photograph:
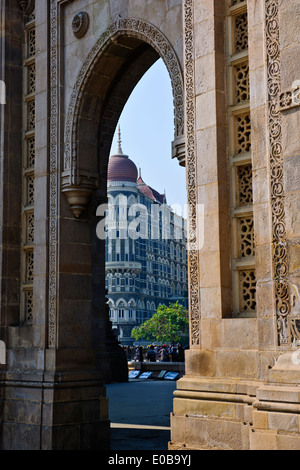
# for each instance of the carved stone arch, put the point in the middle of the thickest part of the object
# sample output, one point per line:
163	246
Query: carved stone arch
27	6
131	200
121	303
87	108
132	302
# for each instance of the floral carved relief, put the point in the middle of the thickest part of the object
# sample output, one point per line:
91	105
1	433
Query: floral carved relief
280	254
54	177
191	172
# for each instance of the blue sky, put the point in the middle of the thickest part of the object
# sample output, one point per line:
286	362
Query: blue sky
147	127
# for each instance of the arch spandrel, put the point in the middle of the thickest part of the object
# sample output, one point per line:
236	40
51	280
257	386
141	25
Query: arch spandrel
90	99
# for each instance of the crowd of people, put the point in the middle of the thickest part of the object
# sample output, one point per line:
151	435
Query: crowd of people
155	353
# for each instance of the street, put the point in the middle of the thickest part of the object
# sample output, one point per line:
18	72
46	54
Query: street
139	412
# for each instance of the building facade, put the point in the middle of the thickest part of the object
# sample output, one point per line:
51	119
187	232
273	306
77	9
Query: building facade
68	69
146	255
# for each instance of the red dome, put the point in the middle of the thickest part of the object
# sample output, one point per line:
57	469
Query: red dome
121	168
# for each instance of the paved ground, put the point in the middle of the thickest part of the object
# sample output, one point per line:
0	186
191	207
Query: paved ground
140	414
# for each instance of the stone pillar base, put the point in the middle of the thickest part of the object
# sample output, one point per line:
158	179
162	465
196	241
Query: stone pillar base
54	411
276	411
213	413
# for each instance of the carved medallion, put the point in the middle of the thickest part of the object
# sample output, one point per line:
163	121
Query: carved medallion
80	24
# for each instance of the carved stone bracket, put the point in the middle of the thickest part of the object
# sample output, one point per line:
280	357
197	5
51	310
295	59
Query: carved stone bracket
178	150
78	194
77	198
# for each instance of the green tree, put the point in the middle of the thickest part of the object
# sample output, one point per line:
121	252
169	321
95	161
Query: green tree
168	325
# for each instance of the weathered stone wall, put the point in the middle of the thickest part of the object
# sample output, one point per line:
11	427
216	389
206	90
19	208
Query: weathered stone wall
103	14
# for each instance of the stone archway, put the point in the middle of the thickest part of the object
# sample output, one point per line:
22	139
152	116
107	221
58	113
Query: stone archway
123	53
60	361
116	63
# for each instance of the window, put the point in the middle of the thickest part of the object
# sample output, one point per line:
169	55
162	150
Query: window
29	150
121	313
240	158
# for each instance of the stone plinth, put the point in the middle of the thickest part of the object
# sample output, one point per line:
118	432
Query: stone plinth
54	411
276	410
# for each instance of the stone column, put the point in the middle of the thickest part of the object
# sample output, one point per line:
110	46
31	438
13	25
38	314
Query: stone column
52	389
240	388
11	164
276	408
223	365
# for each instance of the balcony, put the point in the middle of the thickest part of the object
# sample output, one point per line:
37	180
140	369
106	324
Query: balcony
123	266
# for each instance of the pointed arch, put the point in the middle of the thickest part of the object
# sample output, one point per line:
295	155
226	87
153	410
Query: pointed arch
139	40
